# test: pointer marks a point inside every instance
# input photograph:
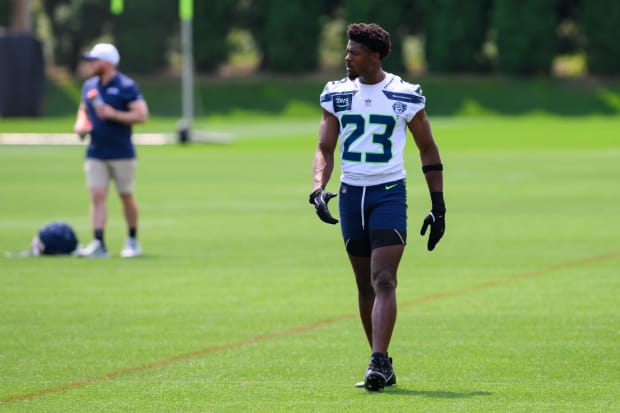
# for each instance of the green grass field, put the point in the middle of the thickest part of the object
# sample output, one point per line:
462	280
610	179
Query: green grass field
244	300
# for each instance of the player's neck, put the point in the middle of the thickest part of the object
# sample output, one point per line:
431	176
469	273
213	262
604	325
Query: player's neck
106	76
373	78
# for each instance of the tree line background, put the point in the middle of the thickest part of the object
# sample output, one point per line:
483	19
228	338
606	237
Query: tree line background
516	37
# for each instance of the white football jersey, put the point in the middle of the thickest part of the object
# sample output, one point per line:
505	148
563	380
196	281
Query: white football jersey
373	126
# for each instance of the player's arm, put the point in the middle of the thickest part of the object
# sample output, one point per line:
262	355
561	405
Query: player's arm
82	124
420	128
138	113
432	168
323	166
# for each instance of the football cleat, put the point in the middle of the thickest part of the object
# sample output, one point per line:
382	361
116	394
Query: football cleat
391	380
379	372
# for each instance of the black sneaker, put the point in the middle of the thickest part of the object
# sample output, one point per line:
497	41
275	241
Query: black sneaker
391	378
379	372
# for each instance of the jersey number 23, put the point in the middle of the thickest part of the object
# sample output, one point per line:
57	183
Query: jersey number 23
379	138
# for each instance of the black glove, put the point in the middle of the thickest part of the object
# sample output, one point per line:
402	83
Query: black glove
319	199
436	219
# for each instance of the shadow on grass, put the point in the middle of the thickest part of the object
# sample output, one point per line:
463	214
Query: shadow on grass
435	394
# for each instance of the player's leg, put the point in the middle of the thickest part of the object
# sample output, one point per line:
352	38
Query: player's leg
384	266
366	300
98	208
130	209
388	235
377	303
124	176
97	179
124	173
365	292
357	245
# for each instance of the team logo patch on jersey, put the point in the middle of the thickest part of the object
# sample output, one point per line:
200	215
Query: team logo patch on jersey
342	101
399	107
368	102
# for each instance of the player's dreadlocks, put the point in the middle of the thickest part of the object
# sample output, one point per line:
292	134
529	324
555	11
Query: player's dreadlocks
370	35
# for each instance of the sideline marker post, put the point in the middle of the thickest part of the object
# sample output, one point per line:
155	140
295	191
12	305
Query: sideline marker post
116	6
186	13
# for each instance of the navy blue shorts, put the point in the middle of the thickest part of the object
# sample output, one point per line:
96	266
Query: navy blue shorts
373	216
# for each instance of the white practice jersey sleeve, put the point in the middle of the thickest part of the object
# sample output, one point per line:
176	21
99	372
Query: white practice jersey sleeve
373	126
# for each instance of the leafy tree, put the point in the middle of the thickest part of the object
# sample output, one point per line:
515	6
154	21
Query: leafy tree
455	33
569	35
293	30
142	33
601	24
212	23
525	33
286	32
75	24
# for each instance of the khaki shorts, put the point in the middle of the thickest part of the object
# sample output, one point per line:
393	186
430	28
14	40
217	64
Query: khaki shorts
99	173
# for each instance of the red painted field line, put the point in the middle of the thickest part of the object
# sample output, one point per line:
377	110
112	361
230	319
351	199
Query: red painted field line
305	328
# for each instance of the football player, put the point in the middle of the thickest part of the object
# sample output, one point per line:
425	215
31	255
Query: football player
370	111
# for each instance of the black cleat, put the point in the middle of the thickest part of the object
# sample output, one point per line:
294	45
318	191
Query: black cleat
379	372
390	377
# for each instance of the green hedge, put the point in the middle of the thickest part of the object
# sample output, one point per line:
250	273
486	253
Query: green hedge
446	96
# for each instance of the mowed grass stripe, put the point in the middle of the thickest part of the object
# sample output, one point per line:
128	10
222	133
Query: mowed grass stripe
308	327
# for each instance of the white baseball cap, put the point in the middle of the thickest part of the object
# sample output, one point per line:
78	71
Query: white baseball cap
103	51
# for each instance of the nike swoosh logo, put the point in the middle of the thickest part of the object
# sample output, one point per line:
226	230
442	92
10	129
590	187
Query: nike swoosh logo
388	187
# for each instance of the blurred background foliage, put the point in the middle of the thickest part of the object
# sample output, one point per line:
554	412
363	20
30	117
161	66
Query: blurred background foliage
513	37
477	57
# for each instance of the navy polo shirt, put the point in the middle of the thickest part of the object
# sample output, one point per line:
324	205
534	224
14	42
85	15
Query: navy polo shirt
110	139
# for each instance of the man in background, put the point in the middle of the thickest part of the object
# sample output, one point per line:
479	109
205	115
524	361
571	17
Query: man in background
111	104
